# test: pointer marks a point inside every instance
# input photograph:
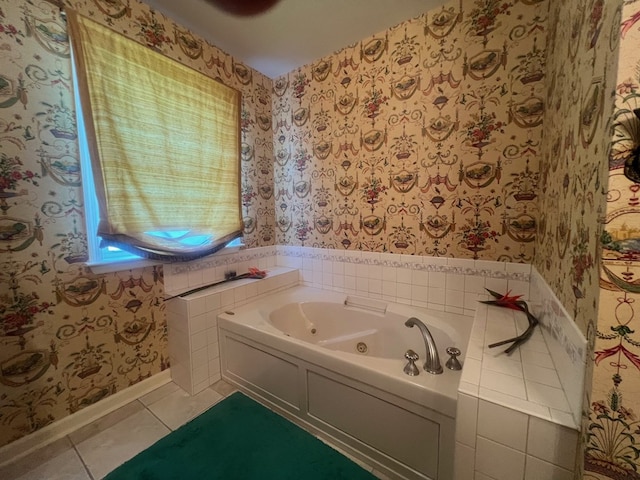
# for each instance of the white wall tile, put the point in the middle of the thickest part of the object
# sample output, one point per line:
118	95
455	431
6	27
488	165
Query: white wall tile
178	307
471	371
496	284
545	376
454	298
195	278
474	284
469	388
520	404
466	420
208	275
197	305
306	276
437	307
471	300
239	294
227	297
214	367
503	425
537	469
389	289
362	285
455	282
420	277
212	302
436	295
213	351
456	310
404	276
437	279
419	292
389	274
198	341
251	290
200	375
362	270
350	269
338	268
181	375
502	364
375	272
350	283
537	358
518	287
464	462
199	358
498	461
198	323
563	418
180	281
327	266
499	382
553	443
375	286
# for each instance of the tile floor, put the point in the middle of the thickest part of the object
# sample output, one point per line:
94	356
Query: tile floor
92	451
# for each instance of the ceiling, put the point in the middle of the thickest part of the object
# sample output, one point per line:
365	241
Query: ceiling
293	32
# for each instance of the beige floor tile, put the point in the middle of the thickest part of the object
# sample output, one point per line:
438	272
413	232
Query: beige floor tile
178	407
223	388
109	448
158	393
58	460
106	421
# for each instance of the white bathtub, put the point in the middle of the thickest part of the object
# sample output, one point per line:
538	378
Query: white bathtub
337	370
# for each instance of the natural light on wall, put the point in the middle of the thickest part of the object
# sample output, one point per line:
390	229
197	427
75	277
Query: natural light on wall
163	142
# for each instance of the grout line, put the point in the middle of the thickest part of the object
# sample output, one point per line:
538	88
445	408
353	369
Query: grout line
157	418
75	448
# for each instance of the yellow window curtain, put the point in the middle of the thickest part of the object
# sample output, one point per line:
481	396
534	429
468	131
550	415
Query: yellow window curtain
164	142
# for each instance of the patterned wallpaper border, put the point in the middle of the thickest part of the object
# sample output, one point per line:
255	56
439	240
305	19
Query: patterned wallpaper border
510	271
483	268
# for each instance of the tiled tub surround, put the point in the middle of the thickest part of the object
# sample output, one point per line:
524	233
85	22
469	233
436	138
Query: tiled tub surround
193	325
303	363
445	284
513	407
451	285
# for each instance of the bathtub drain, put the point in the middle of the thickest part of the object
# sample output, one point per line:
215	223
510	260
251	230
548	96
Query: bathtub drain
361	347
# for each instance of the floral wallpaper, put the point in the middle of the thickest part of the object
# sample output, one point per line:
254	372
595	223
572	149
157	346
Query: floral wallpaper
424	139
477	130
613	431
68	337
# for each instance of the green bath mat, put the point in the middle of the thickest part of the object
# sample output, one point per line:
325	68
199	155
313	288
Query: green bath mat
239	439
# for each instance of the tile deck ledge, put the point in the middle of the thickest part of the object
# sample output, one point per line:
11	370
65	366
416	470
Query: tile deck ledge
526	381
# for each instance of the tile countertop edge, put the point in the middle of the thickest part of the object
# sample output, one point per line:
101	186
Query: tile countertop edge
470	382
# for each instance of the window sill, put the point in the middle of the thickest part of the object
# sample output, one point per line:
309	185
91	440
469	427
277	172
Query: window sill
117	266
110	267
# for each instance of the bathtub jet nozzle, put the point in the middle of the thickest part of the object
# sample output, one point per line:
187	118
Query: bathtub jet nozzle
432	359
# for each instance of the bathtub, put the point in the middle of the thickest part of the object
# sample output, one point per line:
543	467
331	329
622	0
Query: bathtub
333	363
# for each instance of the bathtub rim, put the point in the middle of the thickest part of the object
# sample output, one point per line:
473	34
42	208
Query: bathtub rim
436	392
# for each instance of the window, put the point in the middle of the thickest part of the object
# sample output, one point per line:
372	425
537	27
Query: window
163	143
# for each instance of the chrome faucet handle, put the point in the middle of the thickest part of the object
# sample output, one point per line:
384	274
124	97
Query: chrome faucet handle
453	363
410	368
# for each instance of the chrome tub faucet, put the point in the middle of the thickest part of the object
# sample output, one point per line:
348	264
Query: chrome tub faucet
432	359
